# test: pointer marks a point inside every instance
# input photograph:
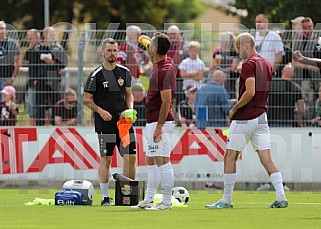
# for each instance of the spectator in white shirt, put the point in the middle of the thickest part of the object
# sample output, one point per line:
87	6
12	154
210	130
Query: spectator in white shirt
192	68
268	43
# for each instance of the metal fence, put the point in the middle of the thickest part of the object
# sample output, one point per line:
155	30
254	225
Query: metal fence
82	49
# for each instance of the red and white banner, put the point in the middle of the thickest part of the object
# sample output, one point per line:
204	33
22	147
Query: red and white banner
72	153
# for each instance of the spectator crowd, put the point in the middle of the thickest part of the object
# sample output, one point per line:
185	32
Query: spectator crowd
204	94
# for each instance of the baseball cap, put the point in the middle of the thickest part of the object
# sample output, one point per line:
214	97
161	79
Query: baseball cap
191	88
297	19
9	90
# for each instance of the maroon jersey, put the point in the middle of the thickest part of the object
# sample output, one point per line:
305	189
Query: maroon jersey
178	51
163	78
7	118
261	70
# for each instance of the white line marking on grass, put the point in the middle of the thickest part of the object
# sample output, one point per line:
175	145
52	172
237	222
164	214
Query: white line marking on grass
307	203
252	203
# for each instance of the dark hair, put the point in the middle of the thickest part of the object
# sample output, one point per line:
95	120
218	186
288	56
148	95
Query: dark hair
163	43
307	19
108	41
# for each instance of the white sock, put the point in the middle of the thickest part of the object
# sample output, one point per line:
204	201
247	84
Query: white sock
276	179
167	182
229	182
104	190
153	180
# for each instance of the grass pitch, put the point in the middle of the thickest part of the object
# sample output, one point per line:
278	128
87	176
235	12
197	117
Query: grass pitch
250	211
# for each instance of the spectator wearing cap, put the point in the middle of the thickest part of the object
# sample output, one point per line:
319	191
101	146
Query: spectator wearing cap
139	103
186	111
212	103
8	106
297	27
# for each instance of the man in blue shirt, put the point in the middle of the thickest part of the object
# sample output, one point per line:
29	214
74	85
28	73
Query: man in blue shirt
212	103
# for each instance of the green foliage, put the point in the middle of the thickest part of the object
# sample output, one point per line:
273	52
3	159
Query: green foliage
279	11
30	13
183	10
139	11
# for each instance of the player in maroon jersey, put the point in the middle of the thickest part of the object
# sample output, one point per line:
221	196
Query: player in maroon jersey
250	122
160	124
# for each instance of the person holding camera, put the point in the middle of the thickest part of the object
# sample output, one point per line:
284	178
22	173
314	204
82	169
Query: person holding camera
50	59
33	37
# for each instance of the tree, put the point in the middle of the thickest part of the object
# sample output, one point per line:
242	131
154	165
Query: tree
30	13
103	12
279	11
190	9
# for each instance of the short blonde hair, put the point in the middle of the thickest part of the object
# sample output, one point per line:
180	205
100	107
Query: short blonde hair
194	44
137	87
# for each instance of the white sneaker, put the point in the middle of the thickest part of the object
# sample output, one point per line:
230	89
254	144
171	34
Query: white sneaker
142	205
160	206
264	187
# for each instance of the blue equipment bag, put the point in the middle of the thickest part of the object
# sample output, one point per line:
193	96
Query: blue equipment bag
68	197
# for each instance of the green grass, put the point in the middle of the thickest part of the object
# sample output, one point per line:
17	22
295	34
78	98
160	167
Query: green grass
250	211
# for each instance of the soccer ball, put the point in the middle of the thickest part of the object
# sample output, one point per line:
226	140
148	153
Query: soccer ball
181	194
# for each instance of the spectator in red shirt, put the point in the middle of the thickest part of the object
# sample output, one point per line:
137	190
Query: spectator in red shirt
9	109
178	52
179	47
132	56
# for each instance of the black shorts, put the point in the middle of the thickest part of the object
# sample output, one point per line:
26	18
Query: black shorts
108	141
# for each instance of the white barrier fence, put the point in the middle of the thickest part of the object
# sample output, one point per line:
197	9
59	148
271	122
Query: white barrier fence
57	154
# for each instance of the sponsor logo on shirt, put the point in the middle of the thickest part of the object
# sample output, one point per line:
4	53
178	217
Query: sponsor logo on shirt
105	84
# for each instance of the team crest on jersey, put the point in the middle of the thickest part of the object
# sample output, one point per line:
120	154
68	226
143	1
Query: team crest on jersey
120	81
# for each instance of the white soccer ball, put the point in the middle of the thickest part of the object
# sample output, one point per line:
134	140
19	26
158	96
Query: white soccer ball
181	194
